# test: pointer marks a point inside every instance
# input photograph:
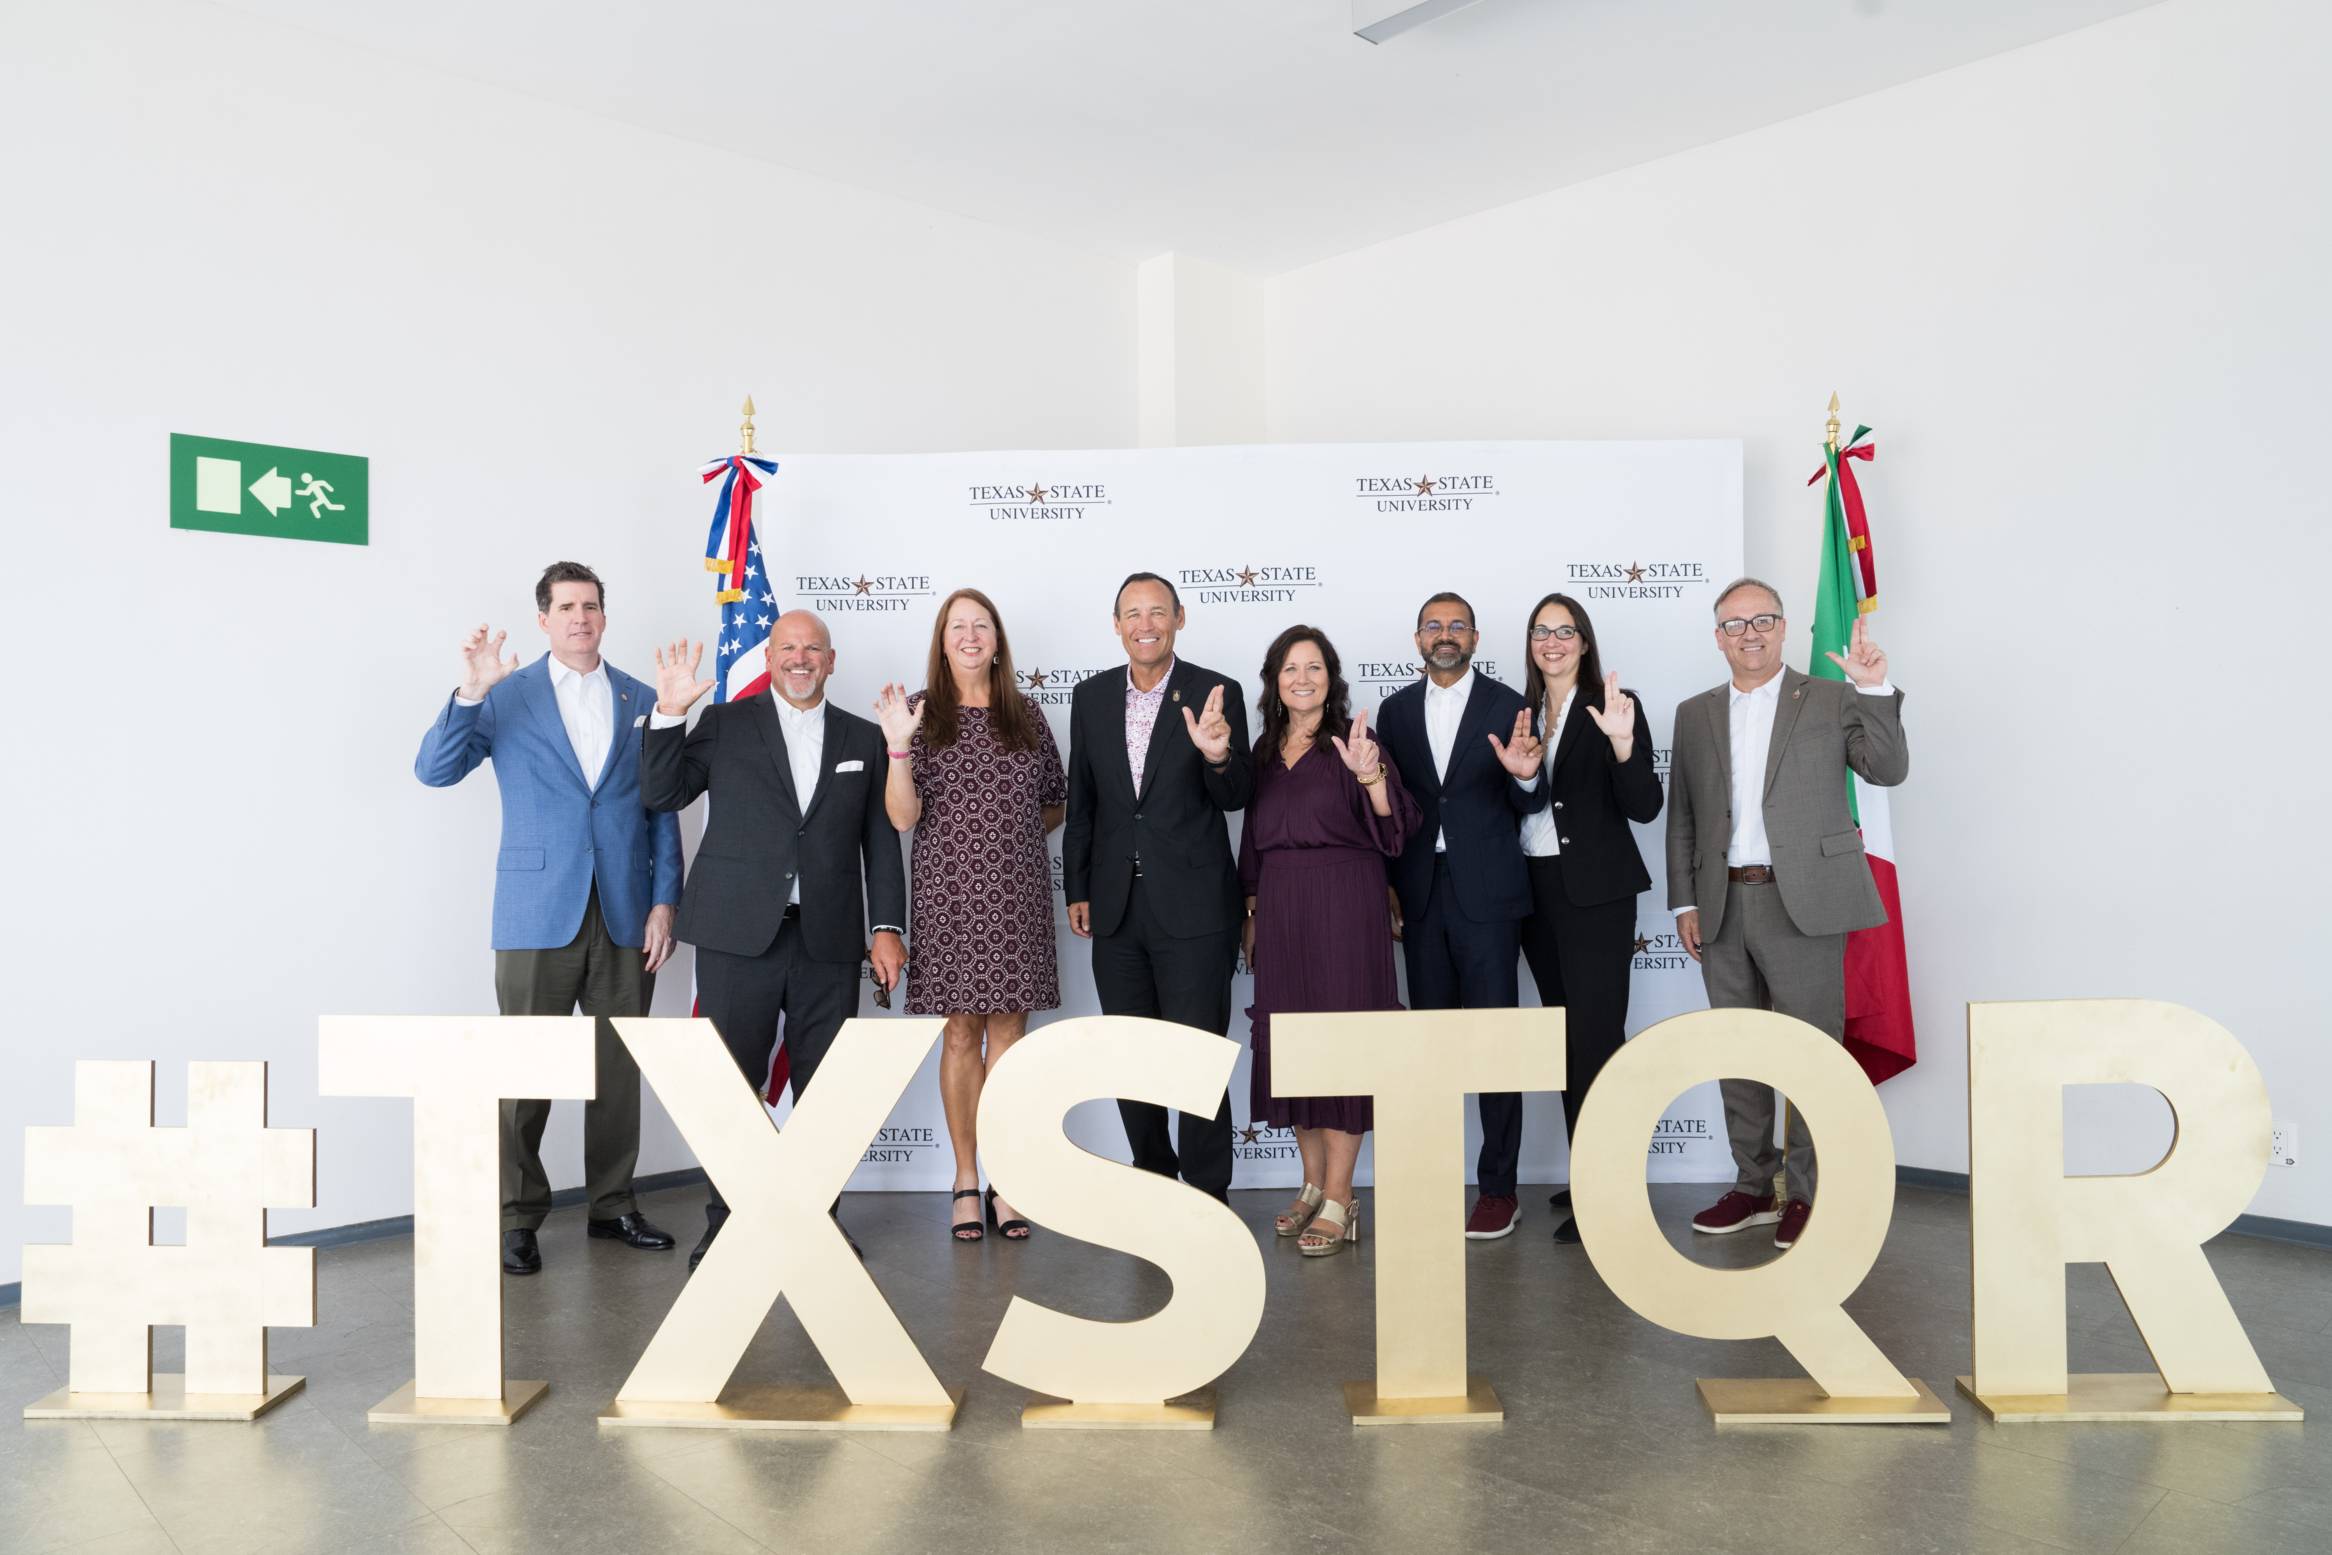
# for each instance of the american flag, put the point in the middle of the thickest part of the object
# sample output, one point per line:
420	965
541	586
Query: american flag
733	550
748	607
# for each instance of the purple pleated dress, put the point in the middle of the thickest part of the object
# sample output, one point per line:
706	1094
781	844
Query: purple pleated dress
1313	856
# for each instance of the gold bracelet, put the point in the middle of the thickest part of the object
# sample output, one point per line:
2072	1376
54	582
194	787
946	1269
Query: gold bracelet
1372	779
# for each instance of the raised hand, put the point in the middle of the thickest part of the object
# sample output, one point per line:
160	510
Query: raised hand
677	687
1362	755
482	664
899	720
1521	755
1616	717
1210	731
1865	662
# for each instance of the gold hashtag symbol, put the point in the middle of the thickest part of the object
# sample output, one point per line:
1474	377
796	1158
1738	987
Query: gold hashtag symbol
225	1286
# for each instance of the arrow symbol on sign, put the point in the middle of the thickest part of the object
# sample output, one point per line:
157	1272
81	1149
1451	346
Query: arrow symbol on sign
273	491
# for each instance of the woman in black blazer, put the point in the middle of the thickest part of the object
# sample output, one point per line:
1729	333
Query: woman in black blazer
1585	869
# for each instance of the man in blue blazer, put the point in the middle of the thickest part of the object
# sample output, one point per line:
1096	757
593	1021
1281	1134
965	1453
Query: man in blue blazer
1462	886
585	887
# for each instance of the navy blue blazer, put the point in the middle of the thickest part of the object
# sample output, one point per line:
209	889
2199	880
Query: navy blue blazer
1477	804
560	835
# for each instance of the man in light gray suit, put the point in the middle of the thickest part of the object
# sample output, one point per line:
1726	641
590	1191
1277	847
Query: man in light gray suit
1766	873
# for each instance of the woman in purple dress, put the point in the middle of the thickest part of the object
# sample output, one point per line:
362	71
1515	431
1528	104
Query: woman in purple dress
974	774
1328	810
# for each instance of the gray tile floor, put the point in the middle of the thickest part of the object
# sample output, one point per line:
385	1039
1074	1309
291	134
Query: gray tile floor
1604	1447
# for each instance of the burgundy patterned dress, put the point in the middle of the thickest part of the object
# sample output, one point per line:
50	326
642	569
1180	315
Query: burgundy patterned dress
1313	856
981	925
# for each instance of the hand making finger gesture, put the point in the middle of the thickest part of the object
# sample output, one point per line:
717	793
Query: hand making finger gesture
1362	755
482	664
1210	731
899	720
1521	754
1616	717
1865	662
677	687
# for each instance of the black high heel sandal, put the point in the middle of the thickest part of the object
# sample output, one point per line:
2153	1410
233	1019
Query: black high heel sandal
1013	1230
958	1228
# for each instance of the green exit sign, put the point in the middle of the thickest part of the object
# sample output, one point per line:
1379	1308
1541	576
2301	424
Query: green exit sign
263	489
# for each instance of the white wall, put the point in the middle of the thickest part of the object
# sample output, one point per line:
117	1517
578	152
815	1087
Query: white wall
2081	290
535	323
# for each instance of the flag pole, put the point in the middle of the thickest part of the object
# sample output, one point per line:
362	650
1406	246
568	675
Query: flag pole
745	432
1781	1177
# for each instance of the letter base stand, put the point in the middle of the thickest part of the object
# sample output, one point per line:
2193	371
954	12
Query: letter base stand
1801	1401
1190	1412
405	1407
2133	1395
1478	1405
784	1408
167	1399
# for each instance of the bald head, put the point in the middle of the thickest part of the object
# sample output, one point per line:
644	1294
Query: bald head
801	656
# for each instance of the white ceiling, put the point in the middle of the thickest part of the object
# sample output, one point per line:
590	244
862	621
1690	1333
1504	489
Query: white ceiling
1259	133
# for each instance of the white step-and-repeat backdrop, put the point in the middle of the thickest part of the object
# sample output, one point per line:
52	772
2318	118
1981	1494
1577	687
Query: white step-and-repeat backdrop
1351	539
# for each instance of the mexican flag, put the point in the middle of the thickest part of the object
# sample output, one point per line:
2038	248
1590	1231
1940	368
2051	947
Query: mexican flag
1878	979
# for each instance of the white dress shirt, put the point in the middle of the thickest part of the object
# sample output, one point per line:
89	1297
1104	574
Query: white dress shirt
805	750
1751	715
587	708
1445	709
1540	838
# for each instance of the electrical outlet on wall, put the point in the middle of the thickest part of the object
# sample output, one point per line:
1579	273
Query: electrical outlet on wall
2283	1145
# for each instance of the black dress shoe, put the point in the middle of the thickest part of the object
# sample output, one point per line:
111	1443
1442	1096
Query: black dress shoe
520	1253
634	1230
696	1253
1559	1199
1568	1232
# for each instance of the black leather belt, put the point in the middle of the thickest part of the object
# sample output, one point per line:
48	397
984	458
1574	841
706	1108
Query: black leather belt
1750	874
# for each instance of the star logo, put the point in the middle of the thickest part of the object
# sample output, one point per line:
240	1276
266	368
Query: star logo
1246	577
1036	494
863	585
1424	485
1035	679
1642	944
1635	573
1248	1136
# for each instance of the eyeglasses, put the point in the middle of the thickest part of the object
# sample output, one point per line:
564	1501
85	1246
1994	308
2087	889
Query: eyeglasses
1561	634
1458	628
1764	623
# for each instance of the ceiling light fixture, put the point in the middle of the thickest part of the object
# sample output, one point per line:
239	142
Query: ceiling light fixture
1377	20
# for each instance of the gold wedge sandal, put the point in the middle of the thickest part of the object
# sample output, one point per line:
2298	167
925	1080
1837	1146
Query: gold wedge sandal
1333	1225
1292	1224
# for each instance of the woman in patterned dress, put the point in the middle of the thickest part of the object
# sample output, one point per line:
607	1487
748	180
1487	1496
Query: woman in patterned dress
975	775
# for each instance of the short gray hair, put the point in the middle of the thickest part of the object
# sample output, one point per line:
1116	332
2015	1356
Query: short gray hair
1736	586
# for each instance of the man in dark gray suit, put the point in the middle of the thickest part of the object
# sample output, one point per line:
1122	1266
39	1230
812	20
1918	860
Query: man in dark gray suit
1766	873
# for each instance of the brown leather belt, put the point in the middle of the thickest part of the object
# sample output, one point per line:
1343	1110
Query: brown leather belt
1750	874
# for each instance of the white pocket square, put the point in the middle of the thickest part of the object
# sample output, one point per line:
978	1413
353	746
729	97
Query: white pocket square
643	718
850	766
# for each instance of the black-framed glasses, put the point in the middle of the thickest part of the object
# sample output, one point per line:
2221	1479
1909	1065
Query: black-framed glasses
1765	622
1458	628
1561	634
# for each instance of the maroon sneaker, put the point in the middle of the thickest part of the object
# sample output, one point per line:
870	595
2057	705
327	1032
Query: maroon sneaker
1493	1217
1793	1223
1736	1211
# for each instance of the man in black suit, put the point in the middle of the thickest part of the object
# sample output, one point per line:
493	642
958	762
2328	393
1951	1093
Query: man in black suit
774	905
1157	757
1461	883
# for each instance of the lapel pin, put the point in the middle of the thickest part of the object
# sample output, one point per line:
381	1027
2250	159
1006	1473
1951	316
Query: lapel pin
1176	696
1801	691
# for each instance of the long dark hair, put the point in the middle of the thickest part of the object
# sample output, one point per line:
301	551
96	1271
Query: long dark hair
1335	708
1534	679
1008	712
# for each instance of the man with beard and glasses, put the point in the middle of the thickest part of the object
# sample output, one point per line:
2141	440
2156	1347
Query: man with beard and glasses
1464	744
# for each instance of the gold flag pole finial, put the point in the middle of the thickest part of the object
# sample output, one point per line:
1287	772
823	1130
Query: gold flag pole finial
1833	423
745	432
